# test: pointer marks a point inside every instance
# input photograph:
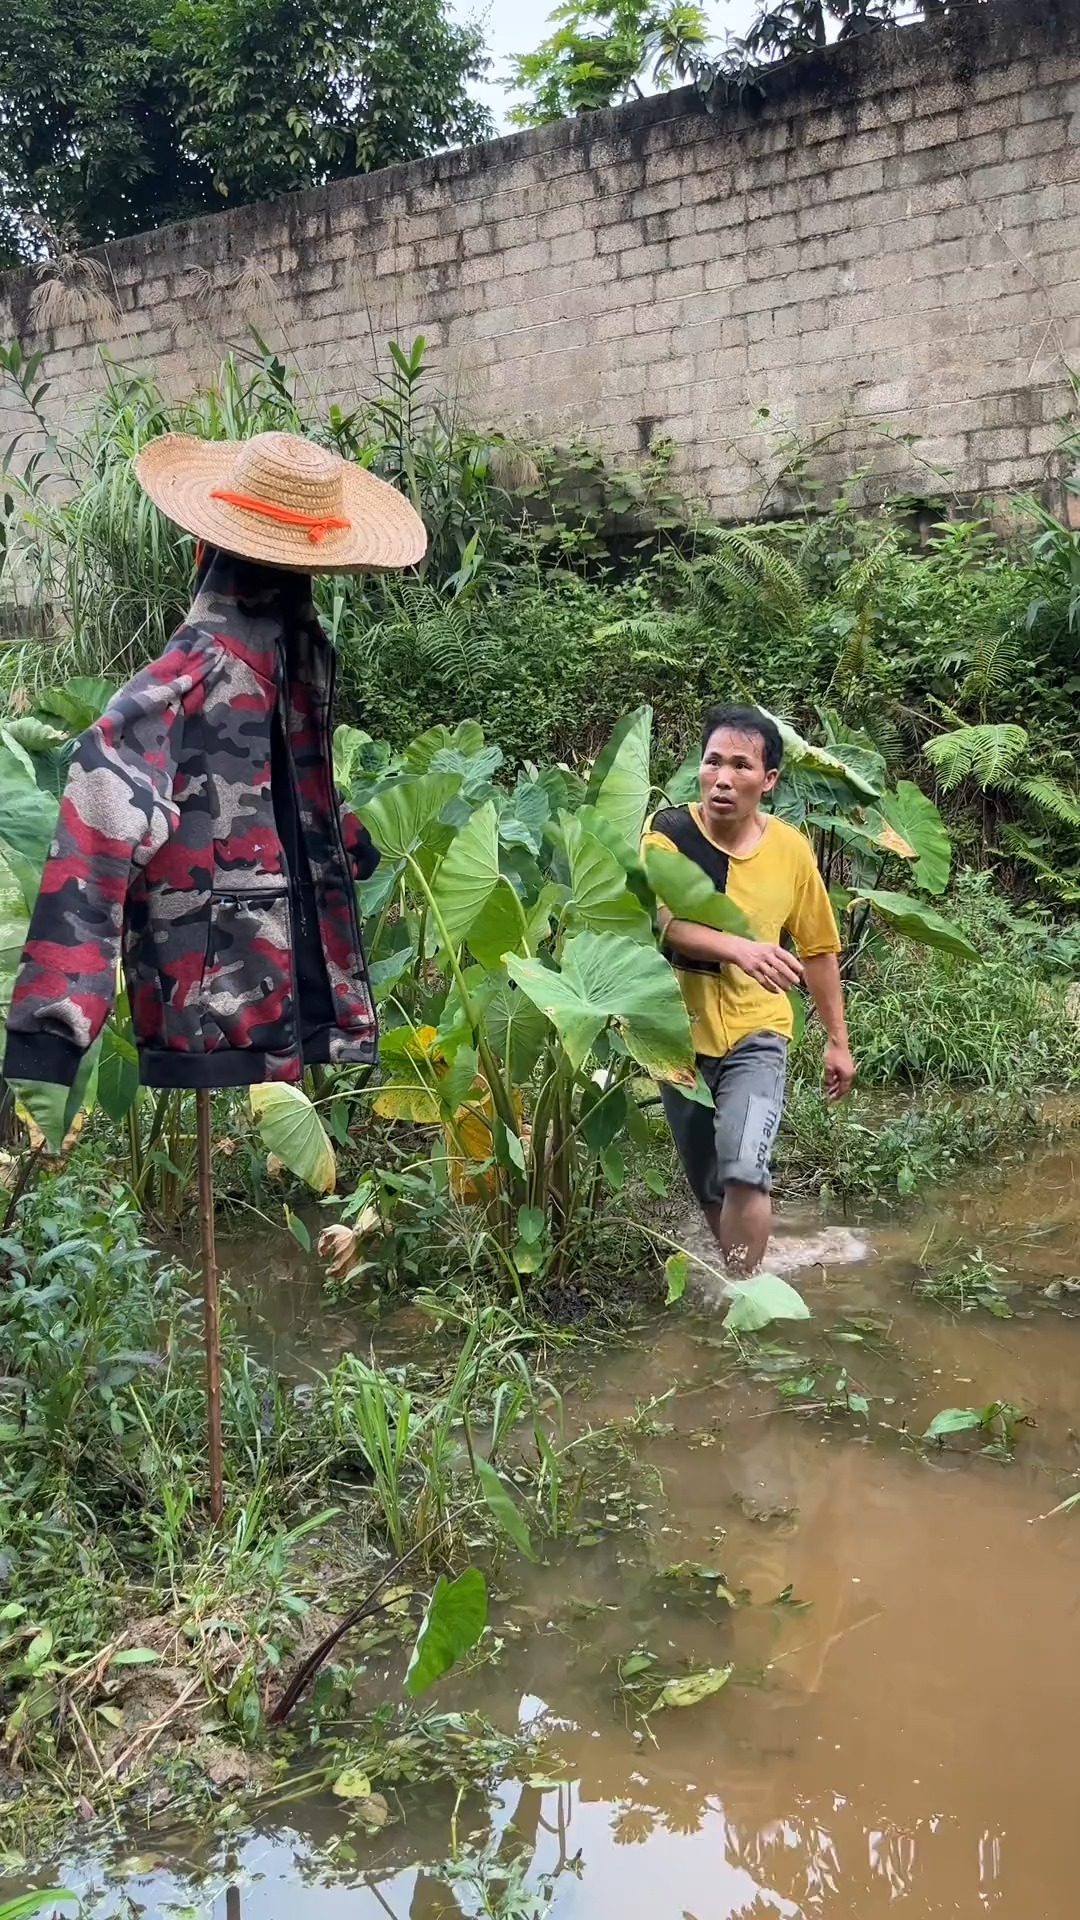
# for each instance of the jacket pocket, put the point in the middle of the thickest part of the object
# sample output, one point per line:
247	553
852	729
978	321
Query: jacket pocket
245	994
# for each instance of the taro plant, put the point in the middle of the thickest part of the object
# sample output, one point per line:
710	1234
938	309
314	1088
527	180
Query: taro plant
524	1004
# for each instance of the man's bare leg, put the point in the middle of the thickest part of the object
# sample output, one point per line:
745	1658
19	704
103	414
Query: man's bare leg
741	1226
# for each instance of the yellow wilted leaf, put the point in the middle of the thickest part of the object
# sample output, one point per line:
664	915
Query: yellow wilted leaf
37	1138
413	1103
469	1145
892	842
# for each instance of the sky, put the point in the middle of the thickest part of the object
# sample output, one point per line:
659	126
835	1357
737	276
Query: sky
517	26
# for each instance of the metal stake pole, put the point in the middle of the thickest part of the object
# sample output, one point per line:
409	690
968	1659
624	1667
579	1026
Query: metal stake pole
211	1318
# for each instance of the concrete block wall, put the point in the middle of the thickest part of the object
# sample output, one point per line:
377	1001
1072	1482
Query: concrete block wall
886	244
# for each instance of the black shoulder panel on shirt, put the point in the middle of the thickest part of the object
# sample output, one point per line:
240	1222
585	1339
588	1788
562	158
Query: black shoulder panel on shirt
678	825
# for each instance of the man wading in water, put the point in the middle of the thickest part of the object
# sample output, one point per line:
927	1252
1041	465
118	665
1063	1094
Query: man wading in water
735	989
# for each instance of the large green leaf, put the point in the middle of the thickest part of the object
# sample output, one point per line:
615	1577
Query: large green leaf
14	914
524	815
118	1075
290	1128
612	978
372	894
499	928
467	739
689	894
78	703
870	830
468	873
349	746
455	1618
33	735
27	815
385	974
954	1420
604	830
764	1297
916	921
600	898
55	1109
604	1111
515	1027
399	815
619	784
804	756
916	819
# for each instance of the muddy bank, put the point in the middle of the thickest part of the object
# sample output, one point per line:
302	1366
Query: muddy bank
898	1621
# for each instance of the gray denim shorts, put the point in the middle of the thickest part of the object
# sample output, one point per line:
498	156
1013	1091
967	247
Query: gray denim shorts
733	1140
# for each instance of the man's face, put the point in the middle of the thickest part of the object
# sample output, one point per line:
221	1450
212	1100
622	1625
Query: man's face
734	777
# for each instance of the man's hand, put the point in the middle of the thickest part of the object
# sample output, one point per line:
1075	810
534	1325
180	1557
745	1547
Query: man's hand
839	1069
771	966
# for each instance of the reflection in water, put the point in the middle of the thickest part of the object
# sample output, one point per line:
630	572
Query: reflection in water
905	1691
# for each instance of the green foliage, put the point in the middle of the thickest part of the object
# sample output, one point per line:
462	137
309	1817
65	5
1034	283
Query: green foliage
788	29
867	1148
291	1129
455	1618
919	1016
999	1422
962	1281
599	53
26	1905
103	1478
757	1302
123	117
558	596
983	754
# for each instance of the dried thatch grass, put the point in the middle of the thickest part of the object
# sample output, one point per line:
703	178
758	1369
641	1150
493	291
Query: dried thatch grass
72	292
245	294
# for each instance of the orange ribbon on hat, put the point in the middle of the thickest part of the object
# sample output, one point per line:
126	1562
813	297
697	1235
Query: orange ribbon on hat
318	525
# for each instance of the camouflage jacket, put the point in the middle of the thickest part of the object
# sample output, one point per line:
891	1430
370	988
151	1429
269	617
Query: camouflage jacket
170	853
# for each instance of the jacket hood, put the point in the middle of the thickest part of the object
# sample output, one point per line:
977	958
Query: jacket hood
252	609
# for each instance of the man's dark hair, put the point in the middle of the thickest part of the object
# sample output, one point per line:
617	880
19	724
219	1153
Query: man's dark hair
746	720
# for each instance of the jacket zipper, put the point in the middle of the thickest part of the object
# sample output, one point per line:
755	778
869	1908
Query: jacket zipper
294	788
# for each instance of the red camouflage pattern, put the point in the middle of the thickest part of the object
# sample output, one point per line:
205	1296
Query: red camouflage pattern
167	853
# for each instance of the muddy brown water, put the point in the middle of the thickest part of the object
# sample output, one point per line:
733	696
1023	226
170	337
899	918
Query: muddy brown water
899	1740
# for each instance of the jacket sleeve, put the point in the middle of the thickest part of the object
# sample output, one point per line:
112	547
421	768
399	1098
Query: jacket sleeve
116	812
364	855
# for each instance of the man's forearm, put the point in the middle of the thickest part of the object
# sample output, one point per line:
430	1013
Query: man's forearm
826	991
698	943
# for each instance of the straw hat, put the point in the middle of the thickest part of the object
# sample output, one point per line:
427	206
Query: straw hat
283	500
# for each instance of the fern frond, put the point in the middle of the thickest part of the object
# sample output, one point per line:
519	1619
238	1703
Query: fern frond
1052	798
993	660
859	581
1022	849
985	754
444	635
740	563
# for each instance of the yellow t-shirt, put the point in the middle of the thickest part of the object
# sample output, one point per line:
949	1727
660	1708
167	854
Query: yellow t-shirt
779	889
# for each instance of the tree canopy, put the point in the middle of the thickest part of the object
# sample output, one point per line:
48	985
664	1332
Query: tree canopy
599	55
118	115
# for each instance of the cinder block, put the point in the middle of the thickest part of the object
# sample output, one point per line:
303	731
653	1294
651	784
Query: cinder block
657	196
939	130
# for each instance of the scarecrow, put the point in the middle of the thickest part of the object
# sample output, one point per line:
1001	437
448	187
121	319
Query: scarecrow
200	840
